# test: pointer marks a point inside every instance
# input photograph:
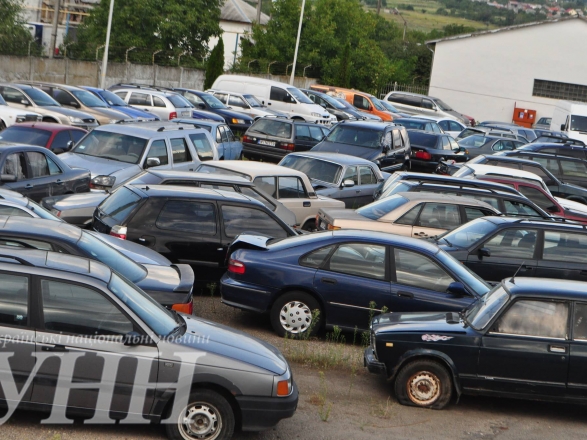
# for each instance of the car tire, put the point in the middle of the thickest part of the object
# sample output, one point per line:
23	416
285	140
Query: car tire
424	383
2	126
309	226
293	315
211	418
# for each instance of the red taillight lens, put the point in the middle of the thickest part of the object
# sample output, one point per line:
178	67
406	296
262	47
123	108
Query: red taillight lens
118	231
172	115
187	308
286	146
424	155
236	266
247	139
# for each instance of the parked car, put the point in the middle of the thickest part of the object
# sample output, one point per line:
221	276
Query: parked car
30	98
429	149
80	99
558	149
394	111
290	187
187	225
523	339
332	106
115	102
66	303
557	138
271	139
385	144
414	104
543	123
415	123
10	116
361	100
339	176
245	103
346	275
447	125
358	114
522	133
115	153
413	214
477	145
498	247
55	137
482	130
570	117
37	172
228	146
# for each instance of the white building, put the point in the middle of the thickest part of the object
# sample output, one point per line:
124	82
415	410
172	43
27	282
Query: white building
486	74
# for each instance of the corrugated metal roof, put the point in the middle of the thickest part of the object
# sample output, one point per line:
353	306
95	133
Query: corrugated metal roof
508	28
241	12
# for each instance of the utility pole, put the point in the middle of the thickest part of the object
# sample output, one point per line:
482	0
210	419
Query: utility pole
378	6
55	24
258	11
105	59
293	71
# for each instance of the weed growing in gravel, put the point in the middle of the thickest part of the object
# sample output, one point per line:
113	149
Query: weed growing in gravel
324	412
212	288
381	411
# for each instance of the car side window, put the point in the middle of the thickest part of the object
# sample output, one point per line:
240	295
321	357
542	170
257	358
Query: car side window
532	169
140	99
16	212
361	102
194	217
316	133
410	217
519	209
536	196
397	139
218	135
291	188
564	247
70	308
237	101
159	150
180	151
359	259
302	132
28	243
221	97
158	102
546	319
351	174
12	95
580	322
367	175
416	270
435	128
238	219
444	125
493	201
513	243
316	258
427	104
38	163
453	126
62	97
202	146
445	143
548	163
250	192
573	169
440	216
15	165
60	140
278	94
473	213
14	296
453	144
267	185
53	167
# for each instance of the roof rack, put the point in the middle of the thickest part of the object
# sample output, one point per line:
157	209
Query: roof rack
20	260
169	128
459	185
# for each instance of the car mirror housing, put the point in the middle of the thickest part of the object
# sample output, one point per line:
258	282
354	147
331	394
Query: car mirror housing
484	252
457	288
74	104
202	106
348	183
7	178
69	145
153	162
25	102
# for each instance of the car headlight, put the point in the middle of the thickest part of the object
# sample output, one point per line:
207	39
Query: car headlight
102	182
283	385
20	118
75	120
238	121
317	115
39	118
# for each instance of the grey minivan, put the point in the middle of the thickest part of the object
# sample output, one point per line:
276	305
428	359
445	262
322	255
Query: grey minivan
413	103
201	379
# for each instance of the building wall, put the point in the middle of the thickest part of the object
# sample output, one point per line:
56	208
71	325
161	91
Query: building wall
232	32
486	76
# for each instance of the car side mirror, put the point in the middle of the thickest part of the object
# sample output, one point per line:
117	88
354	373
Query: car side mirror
457	289
552	208
7	178
202	106
348	183
484	252
25	102
563	127
153	162
74	104
132	338
69	145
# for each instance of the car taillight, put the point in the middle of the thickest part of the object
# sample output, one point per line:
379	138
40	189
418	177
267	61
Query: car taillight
187	308
333	228
118	231
236	266
247	139
286	146
172	115
423	155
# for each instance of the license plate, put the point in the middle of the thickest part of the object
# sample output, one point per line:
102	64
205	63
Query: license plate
185	114
322	225
270	143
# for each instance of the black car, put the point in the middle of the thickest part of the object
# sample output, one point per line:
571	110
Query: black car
557	139
168	285
429	149
383	143
330	104
37	172
524	339
271	139
479	144
498	247
186	225
560	149
415	123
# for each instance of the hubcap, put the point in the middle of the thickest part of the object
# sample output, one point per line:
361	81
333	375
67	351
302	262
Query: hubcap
295	317
200	421
423	388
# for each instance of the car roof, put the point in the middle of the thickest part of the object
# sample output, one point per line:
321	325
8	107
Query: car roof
435	197
254	168
48	126
204	177
480	189
491	169
434	178
145	88
190	121
412	94
39	227
8	147
546	287
415	118
339	158
50	84
377	125
190	192
507	159
148	129
503	221
548	156
553	145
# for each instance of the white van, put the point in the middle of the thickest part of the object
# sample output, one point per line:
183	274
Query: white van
570	117
277	96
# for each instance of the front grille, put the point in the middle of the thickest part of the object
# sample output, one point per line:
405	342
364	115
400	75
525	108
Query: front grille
30	118
323	121
89	121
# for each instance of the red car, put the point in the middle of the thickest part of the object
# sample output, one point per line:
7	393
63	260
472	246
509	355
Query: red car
56	137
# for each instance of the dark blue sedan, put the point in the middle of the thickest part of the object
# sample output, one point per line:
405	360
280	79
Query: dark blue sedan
347	275
118	103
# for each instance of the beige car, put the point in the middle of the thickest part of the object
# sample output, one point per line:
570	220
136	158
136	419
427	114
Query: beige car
291	187
413	214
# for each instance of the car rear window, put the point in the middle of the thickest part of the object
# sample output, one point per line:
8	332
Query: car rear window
272	127
381	207
420	139
120	204
352	135
475	141
25	135
114	146
178	101
315	169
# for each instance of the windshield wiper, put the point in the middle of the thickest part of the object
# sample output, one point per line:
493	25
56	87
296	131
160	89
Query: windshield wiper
447	242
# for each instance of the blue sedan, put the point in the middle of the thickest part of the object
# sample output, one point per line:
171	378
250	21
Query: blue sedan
346	275
116	102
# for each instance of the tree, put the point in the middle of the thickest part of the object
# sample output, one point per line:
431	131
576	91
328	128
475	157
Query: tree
14	36
345	66
215	66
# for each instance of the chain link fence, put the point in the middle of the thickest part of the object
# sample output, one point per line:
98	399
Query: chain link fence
410	88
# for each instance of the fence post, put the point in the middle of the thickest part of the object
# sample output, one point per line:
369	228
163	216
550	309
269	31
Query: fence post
180	76
395	86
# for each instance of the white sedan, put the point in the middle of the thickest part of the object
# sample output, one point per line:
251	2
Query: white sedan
10	116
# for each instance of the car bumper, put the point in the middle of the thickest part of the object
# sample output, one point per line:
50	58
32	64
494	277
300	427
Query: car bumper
370	361
261	413
244	296
266	152
425	164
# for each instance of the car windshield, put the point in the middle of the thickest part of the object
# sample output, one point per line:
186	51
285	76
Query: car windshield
411	125
112	99
41	212
378	104
252	101
475	141
443	106
272	127
351	135
210	169
396	187
578	123
25	135
421	139
115	146
2	101
464	274
104	253
119	204
381	207
300	97
160	320
333	102
212	101
41	98
468	234
88	99
315	169
484	309
388	106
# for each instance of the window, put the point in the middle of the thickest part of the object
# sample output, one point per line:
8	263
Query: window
440	216
444	125
565	247
228	188
473	213
573	168
536	196
14	297
519	209
9	210
194	217
115	146
435	129
413	269
316	133
550	164
351	174
76	135
238	219
302	132
180	151
53	168
533	169
62	97
19	242
535	318
223	135
316	258
267	185
279	94
203	147
397	139
445	143
410	217
559	90
454	126
237	102
367	175
219	135
38	163
159	150
60	140
272	127
120	204
580	322
222	97
139	99
382	207
427	104
158	102
15	165
361	102
12	95
250	192
291	188
70	308
513	243
359	259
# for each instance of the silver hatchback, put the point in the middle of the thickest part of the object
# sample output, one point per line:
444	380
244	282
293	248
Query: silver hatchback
166	105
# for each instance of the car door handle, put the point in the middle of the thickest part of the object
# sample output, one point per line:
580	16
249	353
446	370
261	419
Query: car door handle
405	294
59	182
328	281
527	267
557	348
58	348
420	234
358	191
307	204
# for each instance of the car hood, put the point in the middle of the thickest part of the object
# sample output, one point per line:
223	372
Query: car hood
75	201
233	114
136	252
230	343
136	113
418	322
203	114
351	150
99	166
176	278
110	113
69	112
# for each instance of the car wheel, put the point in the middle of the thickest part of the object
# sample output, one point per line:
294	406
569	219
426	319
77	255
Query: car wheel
310	226
2	125
293	314
424	383
208	416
